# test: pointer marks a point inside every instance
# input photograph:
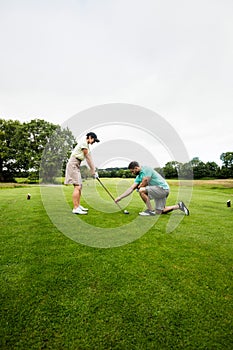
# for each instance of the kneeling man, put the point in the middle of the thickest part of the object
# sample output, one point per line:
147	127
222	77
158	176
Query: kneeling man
151	185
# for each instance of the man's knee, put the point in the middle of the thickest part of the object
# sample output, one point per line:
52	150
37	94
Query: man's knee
142	190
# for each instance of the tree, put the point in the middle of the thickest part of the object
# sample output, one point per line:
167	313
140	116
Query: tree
171	170
186	171
55	154
38	135
212	169
227	159
199	169
10	139
22	146
227	168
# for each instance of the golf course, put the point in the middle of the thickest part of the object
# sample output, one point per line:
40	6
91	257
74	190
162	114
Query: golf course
159	289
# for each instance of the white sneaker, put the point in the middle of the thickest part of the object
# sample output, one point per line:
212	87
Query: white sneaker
82	208
183	207
79	211
147	212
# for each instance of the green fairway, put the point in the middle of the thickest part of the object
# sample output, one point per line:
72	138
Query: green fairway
160	291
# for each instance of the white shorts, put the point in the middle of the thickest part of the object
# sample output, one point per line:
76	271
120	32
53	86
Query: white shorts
73	175
159	195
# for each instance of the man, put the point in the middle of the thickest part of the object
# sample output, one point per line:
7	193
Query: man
151	185
73	175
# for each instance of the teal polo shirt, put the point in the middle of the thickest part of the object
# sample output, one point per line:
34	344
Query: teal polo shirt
155	178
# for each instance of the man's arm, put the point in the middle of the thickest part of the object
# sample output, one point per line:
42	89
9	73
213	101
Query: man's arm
145	182
127	192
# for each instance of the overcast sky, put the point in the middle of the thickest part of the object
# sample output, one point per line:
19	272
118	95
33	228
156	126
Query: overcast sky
174	57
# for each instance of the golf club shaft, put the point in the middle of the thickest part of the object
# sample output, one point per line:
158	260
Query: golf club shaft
109	193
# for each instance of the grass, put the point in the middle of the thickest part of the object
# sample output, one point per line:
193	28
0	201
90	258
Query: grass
161	291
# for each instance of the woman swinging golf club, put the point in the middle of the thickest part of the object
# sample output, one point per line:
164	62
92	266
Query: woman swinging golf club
151	185
73	175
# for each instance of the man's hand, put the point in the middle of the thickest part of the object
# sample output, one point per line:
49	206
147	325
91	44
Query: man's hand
126	193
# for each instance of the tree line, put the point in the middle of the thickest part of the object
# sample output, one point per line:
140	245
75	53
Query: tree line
195	169
39	149
33	149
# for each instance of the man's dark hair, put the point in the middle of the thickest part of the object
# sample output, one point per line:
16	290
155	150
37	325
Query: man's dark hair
133	165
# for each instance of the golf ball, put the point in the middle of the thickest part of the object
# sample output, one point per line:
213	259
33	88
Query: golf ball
126	212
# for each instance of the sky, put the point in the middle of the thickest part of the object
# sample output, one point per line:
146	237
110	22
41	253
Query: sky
59	58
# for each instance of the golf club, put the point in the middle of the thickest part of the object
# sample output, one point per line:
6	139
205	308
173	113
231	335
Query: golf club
124	211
